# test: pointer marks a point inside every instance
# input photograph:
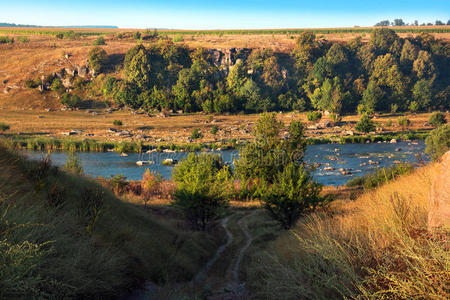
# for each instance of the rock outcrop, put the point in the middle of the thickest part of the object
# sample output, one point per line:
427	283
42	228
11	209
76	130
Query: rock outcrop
439	213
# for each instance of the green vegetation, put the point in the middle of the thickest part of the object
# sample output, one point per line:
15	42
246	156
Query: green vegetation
391	73
117	123
380	176
73	164
214	129
365	124
196	134
23	39
404	122
438	142
203	185
64	236
71	101
97	59
100	41
4	127
6	40
437	119
314	115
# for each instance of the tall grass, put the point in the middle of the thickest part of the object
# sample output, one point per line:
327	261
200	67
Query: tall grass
374	247
67	237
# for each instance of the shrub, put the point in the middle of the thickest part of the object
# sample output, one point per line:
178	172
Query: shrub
292	194
413	106
73	163
403	122
437	119
196	134
314	115
178	38
203	184
23	39
97	59
100	41
214	129
380	176
118	183
71	101
4	127
117	123
365	124
394	108
335	117
438	142
6	40
90	207
29	83
137	35
57	85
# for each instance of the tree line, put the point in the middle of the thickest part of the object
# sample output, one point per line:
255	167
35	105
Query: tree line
388	73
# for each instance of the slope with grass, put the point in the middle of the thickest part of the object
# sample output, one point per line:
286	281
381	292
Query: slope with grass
63	235
376	246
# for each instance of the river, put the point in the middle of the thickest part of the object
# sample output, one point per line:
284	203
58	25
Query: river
352	157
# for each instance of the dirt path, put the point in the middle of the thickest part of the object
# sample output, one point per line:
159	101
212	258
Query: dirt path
202	274
221	272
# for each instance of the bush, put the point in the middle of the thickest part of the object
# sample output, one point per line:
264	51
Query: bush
196	134
57	85
365	124
437	119
377	178
438	142
23	39
178	38
404	122
29	83
203	184
97	59
6	40
73	163
292	194
100	41
71	101
118	183
137	35
4	126
117	123
314	115
214	129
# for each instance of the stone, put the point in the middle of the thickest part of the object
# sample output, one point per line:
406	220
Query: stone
439	212
82	71
393	141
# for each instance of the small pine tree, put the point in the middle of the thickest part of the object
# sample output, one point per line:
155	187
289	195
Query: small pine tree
365	124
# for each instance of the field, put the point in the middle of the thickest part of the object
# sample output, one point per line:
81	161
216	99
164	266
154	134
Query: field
177	129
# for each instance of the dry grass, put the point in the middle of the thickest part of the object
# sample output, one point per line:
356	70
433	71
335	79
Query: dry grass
175	129
376	246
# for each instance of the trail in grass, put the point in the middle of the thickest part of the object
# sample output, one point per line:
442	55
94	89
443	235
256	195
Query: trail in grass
202	274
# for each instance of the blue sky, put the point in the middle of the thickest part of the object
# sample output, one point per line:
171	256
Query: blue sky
200	14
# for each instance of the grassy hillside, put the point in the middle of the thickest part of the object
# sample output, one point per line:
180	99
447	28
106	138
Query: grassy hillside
376	246
64	235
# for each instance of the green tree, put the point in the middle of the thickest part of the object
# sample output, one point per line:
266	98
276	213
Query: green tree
365	124
437	119
203	184
292	194
423	93
372	97
423	66
97	59
438	142
137	67
404	122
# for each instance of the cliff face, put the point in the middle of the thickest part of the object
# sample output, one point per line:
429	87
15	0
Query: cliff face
439	214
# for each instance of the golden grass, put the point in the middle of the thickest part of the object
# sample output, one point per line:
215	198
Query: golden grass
176	129
376	247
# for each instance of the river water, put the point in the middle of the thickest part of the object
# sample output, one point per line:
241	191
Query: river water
352	157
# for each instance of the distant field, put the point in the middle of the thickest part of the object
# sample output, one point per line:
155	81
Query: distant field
101	31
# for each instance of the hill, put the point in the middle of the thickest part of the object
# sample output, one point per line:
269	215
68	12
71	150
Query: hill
62	235
376	246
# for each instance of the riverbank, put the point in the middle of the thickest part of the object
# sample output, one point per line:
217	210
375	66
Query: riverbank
46	143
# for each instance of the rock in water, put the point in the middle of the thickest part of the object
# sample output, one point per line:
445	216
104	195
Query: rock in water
439	214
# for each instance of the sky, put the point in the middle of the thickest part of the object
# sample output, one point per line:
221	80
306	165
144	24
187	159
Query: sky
228	14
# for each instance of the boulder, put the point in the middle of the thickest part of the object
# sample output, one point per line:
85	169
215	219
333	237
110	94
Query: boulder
393	141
